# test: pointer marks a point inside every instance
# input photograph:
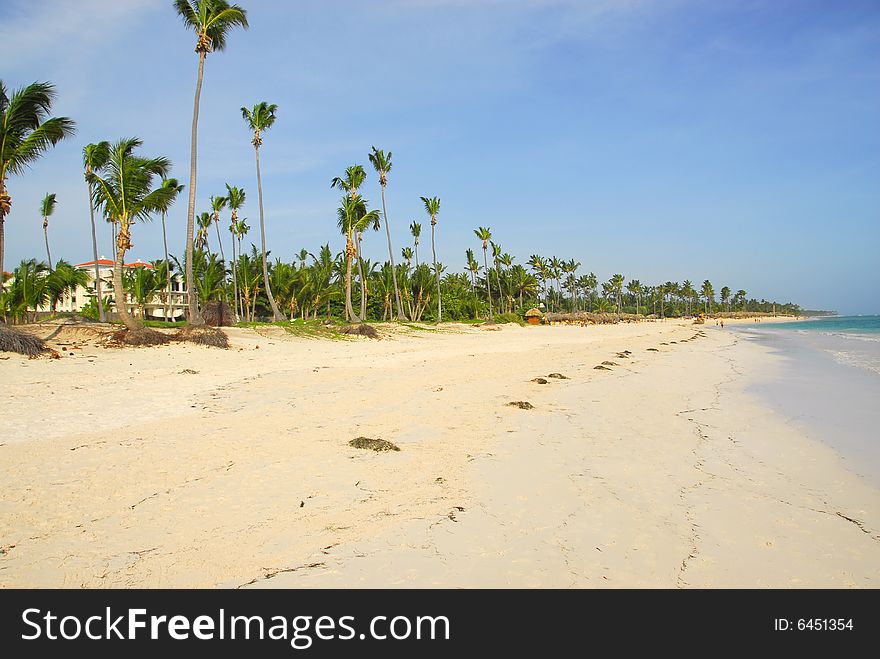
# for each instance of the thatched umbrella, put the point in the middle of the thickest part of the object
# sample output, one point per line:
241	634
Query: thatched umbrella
533	316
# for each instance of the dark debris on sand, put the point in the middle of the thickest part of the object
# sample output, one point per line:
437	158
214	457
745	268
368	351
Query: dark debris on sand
202	335
12	340
521	404
360	330
142	337
373	444
558	376
601	368
540	380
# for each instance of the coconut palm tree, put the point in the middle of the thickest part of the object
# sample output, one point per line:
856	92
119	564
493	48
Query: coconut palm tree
47	207
217	205
94	157
485	234
616	283
432	207
25	134
63	280
708	294
496	254
725	297
635	289
235	199
123	191
382	164
259	120
353	213
416	230
175	189
202	241
211	20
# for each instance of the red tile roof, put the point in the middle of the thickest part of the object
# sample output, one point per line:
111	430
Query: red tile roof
139	264
107	263
104	262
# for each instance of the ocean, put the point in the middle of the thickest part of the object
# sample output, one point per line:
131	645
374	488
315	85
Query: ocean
828	383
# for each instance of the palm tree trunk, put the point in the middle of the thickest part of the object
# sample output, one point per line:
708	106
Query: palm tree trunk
113	238
3	202
417	253
167	271
46	236
436	274
276	314
400	314
119	293
361	272
195	316
349	254
220	242
101	316
488	285
234	282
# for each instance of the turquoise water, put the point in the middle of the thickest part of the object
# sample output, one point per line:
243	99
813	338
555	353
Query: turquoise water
847	324
829	382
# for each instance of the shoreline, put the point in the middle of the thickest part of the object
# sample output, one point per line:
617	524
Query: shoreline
657	473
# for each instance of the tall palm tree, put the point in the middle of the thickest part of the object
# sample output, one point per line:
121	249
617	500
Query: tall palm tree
496	254
259	120
25	134
217	205
485	234
350	182
94	157
175	189
432	207
123	190
382	164
416	230
47	207
235	198
616	282
725	296
211	20
635	289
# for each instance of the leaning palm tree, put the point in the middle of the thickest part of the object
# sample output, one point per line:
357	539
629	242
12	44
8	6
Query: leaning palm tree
123	191
235	199
25	133
260	119
217	205
94	157
176	189
382	164
416	230
485	234
432	207
47	207
211	20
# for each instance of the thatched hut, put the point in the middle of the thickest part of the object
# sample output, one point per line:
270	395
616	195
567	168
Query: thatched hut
533	316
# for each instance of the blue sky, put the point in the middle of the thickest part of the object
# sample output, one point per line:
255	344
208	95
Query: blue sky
665	140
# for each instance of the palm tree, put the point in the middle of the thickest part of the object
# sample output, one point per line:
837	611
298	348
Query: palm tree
416	230
485	234
382	164
25	133
496	254
217	205
366	221
204	221
635	289
432	206
708	294
741	294
352	213
47	207
350	183
122	189
63	280
235	198
616	282
176	189
211	20
94	157
725	297
260	119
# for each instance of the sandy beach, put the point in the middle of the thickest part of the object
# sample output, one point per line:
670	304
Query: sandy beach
183	466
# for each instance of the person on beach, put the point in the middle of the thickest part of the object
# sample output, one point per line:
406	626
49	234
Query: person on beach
722	323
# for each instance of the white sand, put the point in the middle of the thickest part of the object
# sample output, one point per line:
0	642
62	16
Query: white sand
118	470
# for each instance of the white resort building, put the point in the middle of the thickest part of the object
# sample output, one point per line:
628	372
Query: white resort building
154	309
